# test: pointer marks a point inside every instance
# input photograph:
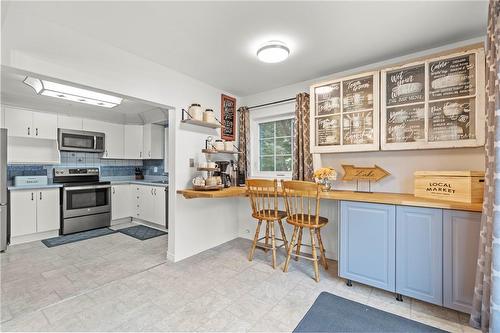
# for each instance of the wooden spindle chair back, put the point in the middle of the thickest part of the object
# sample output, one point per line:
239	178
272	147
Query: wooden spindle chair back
263	195
302	202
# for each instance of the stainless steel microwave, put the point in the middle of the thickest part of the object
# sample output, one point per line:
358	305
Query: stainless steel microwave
75	140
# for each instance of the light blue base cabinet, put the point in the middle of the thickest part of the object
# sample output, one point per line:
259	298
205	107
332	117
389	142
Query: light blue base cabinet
367	251
460	246
419	253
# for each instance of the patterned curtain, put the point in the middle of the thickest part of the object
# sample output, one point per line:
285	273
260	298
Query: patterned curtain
244	140
486	304
302	157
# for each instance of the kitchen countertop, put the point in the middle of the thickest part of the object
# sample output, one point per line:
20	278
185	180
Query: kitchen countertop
128	180
404	199
113	180
33	187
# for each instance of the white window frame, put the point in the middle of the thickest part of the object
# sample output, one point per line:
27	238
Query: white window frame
255	120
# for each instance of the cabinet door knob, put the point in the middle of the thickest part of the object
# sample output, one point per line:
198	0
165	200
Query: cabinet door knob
36	131
113	190
29	130
40	195
140	154
149	154
155	191
32	196
151	191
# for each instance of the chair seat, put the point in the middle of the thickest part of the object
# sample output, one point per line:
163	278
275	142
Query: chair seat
303	221
269	215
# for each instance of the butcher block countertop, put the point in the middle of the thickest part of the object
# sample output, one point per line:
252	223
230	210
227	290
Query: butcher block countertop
404	199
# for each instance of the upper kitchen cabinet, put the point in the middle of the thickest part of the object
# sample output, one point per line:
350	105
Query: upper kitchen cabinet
344	114
113	141
133	142
30	124
437	102
154	141
67	122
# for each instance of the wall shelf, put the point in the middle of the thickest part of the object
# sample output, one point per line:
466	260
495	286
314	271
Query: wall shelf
200	123
207	169
213	151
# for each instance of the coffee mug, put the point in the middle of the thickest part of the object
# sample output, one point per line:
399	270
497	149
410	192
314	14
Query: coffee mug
211	181
211	165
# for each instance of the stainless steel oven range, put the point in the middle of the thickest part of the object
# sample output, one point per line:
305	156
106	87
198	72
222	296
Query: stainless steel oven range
86	201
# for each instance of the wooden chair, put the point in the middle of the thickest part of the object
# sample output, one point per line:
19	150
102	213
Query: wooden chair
263	195
302	206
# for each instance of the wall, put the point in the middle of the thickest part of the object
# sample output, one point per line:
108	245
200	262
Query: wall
401	164
31	44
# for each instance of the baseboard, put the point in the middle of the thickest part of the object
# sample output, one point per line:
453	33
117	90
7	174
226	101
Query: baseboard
33	237
149	224
170	256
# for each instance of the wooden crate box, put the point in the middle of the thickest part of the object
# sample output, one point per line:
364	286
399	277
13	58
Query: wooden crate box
461	186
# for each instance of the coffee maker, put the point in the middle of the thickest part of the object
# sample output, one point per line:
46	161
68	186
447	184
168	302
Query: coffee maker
224	172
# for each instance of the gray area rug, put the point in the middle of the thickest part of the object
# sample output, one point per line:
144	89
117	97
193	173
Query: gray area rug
142	232
76	237
331	313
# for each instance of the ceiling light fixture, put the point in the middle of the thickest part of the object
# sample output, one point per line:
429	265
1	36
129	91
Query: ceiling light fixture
73	94
273	51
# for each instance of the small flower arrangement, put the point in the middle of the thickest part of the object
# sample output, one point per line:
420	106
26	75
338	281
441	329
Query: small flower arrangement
325	176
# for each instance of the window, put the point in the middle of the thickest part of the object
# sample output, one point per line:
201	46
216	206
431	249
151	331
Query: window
274	148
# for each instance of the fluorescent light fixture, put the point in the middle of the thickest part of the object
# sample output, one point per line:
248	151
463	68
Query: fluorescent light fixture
273	51
73	94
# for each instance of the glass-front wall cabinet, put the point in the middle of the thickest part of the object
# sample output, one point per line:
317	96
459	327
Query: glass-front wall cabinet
434	103
345	114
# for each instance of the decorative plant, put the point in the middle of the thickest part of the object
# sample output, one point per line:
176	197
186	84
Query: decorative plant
325	176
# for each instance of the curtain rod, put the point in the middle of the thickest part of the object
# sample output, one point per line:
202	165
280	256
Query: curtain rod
272	103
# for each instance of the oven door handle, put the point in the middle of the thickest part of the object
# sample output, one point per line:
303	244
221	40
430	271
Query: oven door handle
86	187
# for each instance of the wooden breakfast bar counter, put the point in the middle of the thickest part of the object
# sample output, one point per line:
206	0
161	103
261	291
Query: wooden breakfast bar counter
402	199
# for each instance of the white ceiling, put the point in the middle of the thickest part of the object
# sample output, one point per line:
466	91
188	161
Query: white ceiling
16	93
215	42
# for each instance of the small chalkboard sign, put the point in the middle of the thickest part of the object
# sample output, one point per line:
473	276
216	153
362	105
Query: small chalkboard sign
228	114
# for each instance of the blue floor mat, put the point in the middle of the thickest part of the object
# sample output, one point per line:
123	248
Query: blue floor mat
331	313
76	237
142	232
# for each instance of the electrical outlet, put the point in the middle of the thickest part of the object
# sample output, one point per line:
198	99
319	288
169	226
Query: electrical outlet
191	162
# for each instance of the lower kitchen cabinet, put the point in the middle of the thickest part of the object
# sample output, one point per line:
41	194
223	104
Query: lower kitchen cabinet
33	211
151	204
122	203
419	256
460	246
367	244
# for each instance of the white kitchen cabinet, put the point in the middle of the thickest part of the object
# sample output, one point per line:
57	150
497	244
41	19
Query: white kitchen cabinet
145	203
22	212
18	122
154	140
45	125
159	198
114	146
122	203
133	142
67	122
33	211
30	124
47	210
113	141
151	204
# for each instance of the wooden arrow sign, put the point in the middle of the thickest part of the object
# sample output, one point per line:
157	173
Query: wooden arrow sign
375	173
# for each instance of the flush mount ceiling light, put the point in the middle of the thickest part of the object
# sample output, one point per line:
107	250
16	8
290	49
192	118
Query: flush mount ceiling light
273	51
58	90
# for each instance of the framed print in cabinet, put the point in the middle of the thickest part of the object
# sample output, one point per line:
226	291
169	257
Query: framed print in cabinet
437	102
345	114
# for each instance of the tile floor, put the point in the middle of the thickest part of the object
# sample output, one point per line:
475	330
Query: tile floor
118	283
